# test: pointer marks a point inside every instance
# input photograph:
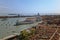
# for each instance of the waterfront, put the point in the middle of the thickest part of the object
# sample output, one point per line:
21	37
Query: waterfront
7	27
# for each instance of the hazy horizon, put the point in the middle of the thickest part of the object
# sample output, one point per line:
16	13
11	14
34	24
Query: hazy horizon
30	7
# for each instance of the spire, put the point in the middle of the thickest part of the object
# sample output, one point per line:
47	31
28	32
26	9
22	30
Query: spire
38	14
38	17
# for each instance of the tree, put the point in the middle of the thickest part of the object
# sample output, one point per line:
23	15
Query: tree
33	30
24	35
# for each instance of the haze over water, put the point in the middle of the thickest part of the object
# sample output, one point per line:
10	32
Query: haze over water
29	7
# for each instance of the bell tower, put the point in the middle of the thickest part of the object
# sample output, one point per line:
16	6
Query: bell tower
38	17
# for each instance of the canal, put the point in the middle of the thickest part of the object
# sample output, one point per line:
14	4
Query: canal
7	26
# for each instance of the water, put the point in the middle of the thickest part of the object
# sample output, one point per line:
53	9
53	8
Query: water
7	27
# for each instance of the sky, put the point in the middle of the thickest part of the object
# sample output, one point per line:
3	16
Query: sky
29	7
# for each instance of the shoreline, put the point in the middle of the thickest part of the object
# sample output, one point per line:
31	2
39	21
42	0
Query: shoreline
8	16
14	16
20	31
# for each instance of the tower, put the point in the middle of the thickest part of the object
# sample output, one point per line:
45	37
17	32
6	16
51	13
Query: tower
38	17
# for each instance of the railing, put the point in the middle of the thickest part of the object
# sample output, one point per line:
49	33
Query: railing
53	34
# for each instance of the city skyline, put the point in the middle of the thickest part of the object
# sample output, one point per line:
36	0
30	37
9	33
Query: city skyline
29	7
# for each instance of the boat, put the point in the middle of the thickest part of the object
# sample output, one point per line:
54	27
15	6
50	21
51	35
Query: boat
23	23
27	21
